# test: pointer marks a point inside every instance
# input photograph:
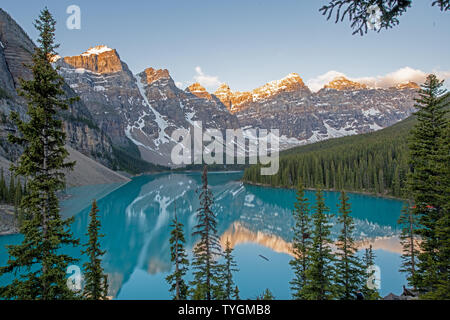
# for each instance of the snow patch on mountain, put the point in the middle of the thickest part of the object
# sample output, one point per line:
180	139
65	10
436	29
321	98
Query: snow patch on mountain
371	112
96	50
162	123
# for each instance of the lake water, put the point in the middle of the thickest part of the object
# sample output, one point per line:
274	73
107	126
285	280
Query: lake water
257	220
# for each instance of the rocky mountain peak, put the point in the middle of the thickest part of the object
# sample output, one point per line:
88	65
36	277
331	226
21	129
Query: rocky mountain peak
223	88
99	59
291	82
153	75
342	83
198	90
235	100
407	85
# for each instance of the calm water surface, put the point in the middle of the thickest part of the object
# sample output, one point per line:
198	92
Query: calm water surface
257	221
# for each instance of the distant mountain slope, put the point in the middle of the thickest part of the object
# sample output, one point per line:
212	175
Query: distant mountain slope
374	162
86	171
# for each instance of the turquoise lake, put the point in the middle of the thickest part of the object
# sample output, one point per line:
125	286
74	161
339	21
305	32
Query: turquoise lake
136	220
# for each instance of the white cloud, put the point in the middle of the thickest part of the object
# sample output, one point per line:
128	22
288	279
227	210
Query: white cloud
401	75
315	84
180	85
209	82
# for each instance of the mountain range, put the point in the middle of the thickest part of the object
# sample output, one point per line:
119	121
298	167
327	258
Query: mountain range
124	120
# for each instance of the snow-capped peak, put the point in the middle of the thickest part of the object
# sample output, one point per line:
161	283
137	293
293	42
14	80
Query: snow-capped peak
96	50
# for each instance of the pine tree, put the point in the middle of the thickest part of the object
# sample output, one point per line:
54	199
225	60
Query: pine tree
319	285
236	293
301	243
179	259
369	289
38	261
11	189
408	240
442	286
425	181
96	281
349	270
228	268
17	194
206	283
266	295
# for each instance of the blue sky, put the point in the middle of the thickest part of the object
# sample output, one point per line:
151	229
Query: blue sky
247	43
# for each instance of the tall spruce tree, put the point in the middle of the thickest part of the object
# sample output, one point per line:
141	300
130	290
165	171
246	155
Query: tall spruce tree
408	240
180	261
442	287
38	261
301	243
96	281
349	270
228	268
369	289
320	272
427	181
206	283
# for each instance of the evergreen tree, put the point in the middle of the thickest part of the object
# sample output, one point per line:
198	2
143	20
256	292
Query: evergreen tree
96	285
369	289
319	285
38	261
229	267
349	270
11	189
236	293
266	295
206	283
179	259
301	243
426	181
442	286
408	239
17	194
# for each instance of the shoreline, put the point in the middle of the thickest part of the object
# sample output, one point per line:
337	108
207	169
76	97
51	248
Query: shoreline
332	190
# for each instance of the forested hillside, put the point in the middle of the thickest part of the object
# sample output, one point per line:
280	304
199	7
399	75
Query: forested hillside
374	162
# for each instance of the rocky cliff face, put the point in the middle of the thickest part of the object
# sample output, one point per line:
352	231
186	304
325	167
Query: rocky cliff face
99	59
16	48
107	88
